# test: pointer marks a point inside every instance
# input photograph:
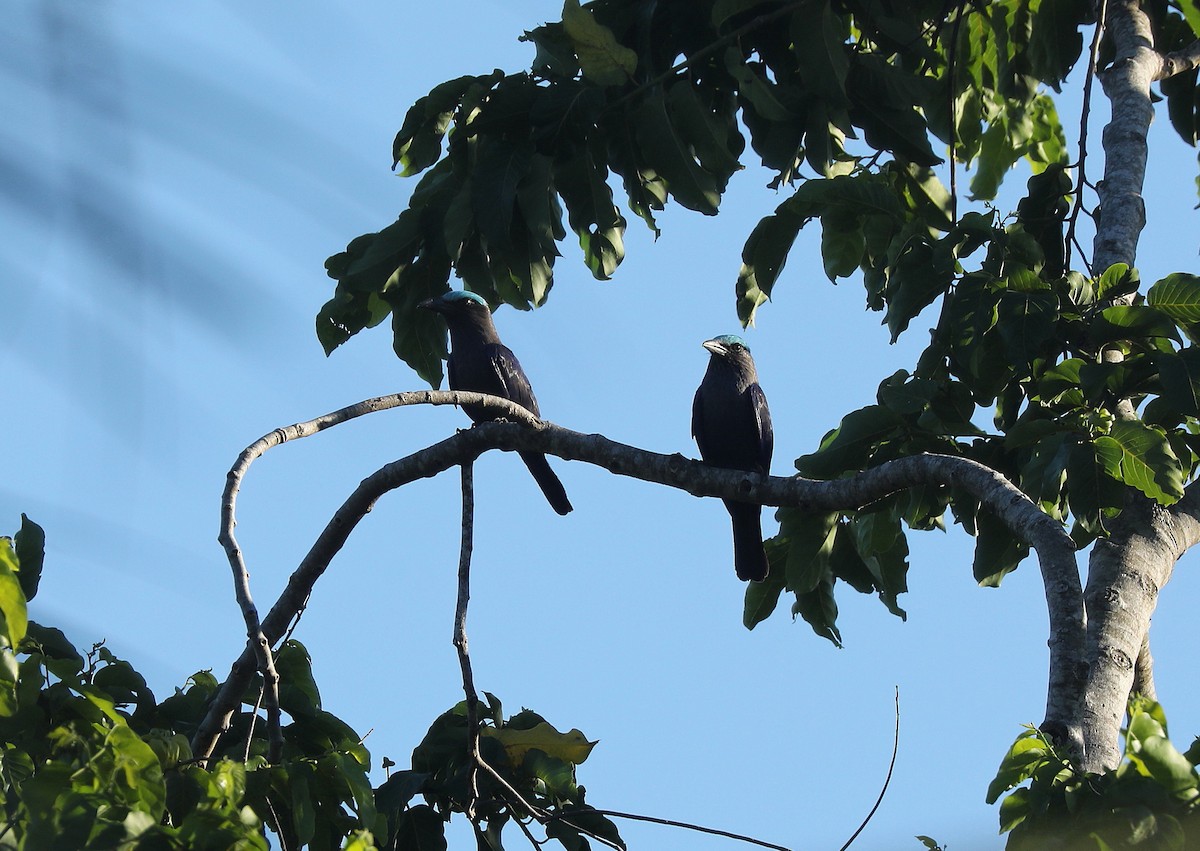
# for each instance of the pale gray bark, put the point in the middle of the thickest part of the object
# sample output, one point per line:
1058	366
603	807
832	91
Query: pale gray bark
1129	568
1126	572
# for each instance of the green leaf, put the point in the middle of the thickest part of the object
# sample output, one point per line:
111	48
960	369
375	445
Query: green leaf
572	746
1131	322
921	272
884	550
420	828
12	599
582	182
811	538
762	597
819	609
1026	322
842	244
30	546
819	45
1118	279
712	136
997	550
1141	457
418	145
849	446
1167	765
1027	754
1179	373
1056	41
1094	495
555	55
671	156
763	257
10	674
298	694
603	59
883	101
1177	295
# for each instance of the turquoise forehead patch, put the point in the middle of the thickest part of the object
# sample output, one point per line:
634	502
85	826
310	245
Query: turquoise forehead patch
463	295
731	340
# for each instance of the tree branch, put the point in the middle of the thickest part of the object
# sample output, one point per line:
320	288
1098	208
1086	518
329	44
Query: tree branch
1179	61
1126	572
460	632
1127	84
1143	671
1054	548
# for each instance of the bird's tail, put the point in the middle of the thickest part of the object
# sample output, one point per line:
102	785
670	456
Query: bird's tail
555	493
749	556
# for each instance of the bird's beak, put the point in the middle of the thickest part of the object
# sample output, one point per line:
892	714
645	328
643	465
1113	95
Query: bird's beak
433	304
715	347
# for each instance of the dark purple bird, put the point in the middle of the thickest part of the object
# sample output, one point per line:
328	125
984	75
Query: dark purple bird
732	427
480	363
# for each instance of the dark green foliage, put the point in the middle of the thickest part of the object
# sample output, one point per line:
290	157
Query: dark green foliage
91	759
509	159
1152	800
527	752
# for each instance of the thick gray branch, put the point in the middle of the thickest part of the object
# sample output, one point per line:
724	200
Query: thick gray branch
1127	85
1180	60
1126	573
1054	548
1127	569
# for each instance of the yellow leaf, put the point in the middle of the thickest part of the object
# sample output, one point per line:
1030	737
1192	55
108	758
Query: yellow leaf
603	59
572	747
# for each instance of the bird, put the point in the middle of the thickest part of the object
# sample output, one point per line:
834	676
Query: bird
480	363
732	427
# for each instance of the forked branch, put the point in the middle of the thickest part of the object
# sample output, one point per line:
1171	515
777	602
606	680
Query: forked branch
526	433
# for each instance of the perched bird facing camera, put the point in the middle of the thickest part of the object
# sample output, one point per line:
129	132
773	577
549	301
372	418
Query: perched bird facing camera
732	427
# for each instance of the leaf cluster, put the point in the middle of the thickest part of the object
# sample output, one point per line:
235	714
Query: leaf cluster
1053	356
526	752
1152	800
664	98
90	759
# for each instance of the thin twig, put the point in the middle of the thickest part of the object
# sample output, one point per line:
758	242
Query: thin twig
951	69
1085	113
886	781
261	638
253	720
460	631
563	817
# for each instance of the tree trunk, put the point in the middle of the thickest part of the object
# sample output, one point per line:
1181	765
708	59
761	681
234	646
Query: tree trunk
1126	570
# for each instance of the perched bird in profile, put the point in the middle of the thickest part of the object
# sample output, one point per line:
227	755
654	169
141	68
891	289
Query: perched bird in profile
732	427
480	363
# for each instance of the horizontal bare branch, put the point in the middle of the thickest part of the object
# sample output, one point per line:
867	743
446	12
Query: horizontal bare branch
526	433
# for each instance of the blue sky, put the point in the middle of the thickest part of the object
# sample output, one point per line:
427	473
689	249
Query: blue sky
173	180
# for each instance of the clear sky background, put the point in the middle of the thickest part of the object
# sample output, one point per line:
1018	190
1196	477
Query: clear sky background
172	179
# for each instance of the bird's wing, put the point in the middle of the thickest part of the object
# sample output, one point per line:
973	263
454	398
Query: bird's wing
697	420
766	433
512	378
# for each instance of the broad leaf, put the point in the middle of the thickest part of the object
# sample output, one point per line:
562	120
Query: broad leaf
1141	457
1094	495
850	445
819	609
12	599
1180	376
30	546
603	59
1178	296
